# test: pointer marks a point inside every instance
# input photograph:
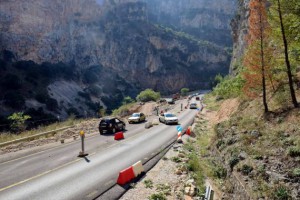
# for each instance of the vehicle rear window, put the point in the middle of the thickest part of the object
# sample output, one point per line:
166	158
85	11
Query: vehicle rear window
104	121
169	115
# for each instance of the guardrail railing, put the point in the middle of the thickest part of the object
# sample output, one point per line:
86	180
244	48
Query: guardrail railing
34	136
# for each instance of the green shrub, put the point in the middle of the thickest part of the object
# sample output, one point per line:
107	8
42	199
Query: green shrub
296	172
127	100
176	159
228	87
184	91
294	151
246	169
148	183
281	193
220	144
164	189
148	95
233	161
193	163
122	111
18	121
220	172
157	196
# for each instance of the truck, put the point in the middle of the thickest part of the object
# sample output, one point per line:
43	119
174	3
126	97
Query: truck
176	96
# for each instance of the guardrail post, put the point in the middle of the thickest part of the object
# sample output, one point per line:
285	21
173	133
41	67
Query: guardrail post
211	195
82	153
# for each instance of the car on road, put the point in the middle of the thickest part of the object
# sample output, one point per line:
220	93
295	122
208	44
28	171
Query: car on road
193	106
168	118
170	100
136	118
111	125
198	98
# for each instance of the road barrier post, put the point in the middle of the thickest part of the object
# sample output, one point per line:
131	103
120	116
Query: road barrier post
82	153
179	139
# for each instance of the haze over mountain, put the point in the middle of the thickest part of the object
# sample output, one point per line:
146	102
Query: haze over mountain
72	56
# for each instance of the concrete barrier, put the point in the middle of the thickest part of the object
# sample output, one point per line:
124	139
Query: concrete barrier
125	176
34	136
119	136
130	173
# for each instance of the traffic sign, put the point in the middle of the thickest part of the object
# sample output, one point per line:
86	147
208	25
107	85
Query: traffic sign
179	128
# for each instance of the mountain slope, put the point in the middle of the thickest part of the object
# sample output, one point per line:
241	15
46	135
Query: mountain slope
102	50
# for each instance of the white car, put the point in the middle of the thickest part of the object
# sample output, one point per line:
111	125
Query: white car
193	106
136	118
168	118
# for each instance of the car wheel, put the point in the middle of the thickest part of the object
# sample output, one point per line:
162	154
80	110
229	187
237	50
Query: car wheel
160	120
101	132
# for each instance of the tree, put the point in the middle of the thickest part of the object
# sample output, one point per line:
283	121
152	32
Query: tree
255	60
18	121
184	91
148	95
127	100
285	31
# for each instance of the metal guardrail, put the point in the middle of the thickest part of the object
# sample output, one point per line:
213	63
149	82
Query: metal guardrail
34	136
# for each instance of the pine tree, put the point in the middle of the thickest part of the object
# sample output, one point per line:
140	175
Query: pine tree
255	60
287	21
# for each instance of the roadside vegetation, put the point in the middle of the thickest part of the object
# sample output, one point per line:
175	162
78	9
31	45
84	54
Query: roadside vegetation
19	121
148	95
260	143
6	136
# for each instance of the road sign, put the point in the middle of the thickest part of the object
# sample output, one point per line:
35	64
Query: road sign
179	128
82	133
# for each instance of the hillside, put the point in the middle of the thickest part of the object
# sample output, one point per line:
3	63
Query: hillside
77	56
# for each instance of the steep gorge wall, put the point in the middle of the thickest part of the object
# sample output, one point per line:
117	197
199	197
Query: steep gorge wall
108	48
239	31
206	20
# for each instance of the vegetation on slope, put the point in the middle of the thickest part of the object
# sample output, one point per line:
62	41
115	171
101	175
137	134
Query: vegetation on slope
260	144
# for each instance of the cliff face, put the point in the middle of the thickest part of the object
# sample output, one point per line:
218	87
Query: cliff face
239	26
110	49
206	20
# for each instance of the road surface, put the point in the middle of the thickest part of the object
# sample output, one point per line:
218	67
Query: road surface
57	173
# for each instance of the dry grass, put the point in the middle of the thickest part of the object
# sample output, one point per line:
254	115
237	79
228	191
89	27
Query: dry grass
5	137
278	140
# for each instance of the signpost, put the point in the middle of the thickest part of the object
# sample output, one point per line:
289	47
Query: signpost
179	129
82	153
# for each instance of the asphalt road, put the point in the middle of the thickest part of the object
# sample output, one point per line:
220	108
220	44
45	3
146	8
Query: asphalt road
57	173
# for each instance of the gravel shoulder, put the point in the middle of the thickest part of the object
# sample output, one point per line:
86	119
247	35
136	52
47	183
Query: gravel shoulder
164	177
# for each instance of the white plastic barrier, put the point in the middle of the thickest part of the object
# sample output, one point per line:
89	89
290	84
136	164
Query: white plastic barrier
138	168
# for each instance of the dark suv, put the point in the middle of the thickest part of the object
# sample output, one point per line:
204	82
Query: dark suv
111	125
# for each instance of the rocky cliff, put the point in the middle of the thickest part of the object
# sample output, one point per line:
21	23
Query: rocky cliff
75	55
206	20
239	26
